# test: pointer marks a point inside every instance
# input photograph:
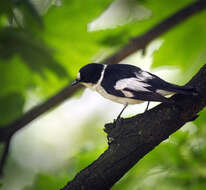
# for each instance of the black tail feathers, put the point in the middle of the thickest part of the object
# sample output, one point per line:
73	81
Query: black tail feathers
185	90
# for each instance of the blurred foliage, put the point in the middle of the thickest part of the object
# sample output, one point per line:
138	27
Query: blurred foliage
11	106
42	47
32	52
54	181
186	38
45	181
23	56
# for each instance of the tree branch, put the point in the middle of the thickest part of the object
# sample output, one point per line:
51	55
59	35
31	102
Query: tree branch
137	136
4	155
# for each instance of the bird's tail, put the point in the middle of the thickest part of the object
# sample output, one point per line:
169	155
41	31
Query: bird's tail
183	90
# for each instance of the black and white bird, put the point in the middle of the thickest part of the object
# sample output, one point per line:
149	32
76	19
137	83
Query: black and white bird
128	84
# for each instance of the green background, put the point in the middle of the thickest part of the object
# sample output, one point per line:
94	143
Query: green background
42	47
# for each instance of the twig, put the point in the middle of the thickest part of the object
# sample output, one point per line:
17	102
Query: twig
4	156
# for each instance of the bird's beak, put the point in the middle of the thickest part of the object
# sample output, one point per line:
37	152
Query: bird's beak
76	81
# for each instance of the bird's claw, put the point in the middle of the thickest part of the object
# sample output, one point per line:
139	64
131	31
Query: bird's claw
118	122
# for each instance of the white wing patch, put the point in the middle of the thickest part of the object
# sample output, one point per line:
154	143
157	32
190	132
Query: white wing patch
131	83
144	76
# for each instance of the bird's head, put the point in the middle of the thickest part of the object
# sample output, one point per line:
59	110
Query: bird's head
89	74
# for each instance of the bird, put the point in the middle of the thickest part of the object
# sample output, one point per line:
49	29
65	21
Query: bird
128	84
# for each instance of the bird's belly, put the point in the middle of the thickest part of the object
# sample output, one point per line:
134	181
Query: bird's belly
117	99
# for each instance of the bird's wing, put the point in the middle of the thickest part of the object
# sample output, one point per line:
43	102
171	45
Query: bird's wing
131	82
137	89
134	89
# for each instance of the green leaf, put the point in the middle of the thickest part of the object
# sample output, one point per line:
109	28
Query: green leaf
5	7
34	53
30	16
11	107
184	46
15	77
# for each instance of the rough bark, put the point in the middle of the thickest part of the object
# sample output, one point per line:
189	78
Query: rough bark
135	137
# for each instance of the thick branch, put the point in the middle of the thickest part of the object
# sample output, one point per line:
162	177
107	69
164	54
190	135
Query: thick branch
137	136
136	44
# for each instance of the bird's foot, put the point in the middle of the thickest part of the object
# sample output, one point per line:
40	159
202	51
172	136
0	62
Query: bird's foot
118	122
116	131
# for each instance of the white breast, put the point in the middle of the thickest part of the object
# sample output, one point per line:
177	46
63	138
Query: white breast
113	98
